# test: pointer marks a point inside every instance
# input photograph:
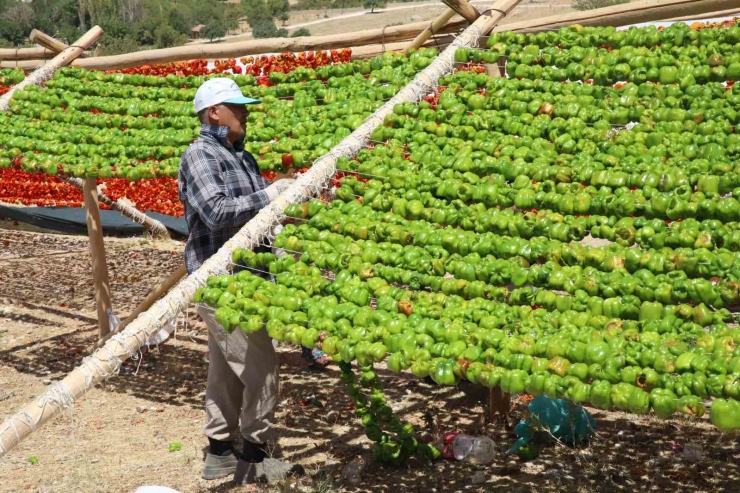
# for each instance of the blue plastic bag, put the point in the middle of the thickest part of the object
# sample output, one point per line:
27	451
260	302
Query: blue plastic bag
566	421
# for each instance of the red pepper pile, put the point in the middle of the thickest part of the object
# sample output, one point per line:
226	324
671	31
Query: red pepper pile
190	67
287	62
156	194
262	65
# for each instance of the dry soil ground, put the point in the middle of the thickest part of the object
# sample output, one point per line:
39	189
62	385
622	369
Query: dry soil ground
118	437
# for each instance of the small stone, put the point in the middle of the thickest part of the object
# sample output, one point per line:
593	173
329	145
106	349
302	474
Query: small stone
47	381
478	478
617	445
202	395
94	461
141	409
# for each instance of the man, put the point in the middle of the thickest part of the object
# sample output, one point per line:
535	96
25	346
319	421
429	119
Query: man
221	189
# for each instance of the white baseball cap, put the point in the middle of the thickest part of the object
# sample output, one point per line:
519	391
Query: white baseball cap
220	90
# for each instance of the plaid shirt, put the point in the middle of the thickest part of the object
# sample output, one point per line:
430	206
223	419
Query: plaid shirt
221	189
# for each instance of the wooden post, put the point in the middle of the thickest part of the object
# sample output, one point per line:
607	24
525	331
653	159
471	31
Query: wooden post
160	290
53	44
97	254
462	7
499	403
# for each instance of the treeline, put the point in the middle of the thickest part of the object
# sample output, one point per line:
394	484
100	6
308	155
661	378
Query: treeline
132	25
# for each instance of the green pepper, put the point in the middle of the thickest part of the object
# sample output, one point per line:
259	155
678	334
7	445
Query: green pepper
228	318
621	395
664	403
732	386
579	392
629	374
554	387
639	401
725	414
491	375
665	362
691	405
442	372
536	385
601	394
715	385
514	381
596	352
558	366
578	370
473	371
699	385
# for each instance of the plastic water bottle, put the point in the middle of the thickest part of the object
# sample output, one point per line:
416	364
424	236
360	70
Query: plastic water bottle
479	450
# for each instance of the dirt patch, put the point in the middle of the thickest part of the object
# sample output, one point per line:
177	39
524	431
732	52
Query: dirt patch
118	437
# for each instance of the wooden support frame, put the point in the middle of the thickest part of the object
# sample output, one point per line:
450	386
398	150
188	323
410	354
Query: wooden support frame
462	7
46	71
160	290
97	254
52	44
434	27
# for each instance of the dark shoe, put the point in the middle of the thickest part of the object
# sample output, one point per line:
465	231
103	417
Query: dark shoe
218	466
268	471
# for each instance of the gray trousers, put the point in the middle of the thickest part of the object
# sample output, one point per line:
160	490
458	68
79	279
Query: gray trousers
242	387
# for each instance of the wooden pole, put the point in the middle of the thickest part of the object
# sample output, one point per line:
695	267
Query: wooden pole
462	7
97	254
254	47
52	44
671	10
150	224
103	362
46	72
499	403
9	54
156	293
624	14
434	27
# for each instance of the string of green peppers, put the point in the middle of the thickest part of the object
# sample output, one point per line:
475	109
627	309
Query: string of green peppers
362	223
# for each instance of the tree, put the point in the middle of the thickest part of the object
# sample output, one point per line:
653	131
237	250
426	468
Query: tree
213	30
116	46
178	22
167	36
596	4
276	7
300	32
265	29
284	17
20	14
373	4
11	32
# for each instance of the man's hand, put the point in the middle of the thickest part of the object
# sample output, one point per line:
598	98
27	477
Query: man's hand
277	188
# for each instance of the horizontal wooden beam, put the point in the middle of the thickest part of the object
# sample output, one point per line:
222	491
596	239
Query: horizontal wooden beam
625	14
619	15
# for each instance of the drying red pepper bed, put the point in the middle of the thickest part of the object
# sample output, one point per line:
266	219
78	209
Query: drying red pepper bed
155	194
